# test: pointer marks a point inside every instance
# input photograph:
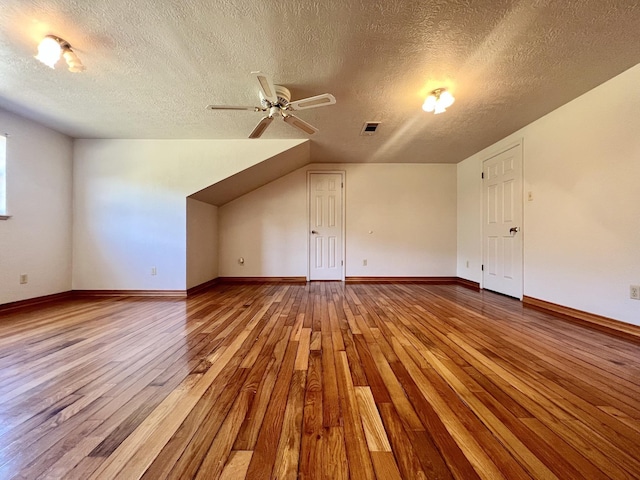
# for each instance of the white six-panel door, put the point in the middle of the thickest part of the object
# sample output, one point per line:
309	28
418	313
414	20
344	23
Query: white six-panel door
325	226
502	222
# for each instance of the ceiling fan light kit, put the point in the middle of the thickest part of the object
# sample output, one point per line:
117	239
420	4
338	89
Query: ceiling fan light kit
438	101
275	100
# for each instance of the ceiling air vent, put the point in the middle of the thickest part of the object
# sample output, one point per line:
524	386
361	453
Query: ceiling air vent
369	128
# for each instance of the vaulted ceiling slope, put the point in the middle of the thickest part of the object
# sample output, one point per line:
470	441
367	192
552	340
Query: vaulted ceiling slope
255	176
153	66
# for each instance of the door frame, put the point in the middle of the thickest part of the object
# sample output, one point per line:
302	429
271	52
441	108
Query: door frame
519	143
343	175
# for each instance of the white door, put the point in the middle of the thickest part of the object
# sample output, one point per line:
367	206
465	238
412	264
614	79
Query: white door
502	222
325	226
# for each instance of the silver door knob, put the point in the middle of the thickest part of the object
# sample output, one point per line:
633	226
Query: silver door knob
315	232
513	230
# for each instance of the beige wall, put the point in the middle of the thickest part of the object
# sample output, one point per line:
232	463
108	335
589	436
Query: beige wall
469	220
202	242
409	208
582	228
37	239
265	227
129	205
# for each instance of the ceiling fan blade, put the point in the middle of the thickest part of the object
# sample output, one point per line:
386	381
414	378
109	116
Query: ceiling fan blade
300	124
266	87
313	102
233	107
261	127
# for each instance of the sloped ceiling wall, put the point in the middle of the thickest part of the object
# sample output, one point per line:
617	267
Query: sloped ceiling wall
255	176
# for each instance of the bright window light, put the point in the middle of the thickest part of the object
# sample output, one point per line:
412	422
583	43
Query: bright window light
3	175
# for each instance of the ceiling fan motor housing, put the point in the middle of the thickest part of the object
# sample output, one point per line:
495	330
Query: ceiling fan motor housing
282	93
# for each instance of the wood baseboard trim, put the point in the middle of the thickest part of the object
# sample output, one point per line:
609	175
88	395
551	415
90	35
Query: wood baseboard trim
34	302
130	293
468	283
262	279
434	280
202	287
598	322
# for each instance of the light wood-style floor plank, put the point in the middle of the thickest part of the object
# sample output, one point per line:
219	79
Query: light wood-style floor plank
323	380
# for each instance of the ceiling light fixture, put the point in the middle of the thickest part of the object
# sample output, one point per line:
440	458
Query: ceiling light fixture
50	50
438	101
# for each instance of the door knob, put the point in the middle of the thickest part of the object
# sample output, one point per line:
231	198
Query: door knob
314	232
513	230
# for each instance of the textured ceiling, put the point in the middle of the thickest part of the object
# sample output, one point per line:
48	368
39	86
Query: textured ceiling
153	66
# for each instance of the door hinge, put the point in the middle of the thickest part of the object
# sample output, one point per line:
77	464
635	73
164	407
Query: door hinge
341	263
482	268
342	185
483	175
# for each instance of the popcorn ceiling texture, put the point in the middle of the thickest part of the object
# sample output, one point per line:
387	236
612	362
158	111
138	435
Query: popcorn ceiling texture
153	66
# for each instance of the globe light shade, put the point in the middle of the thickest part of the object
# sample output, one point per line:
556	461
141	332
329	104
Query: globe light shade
446	99
430	103
49	51
73	62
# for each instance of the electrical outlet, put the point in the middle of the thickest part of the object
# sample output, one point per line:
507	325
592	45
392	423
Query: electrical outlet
154	271
634	292
364	262
24	278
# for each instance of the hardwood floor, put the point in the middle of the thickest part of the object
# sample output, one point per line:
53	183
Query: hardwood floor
314	381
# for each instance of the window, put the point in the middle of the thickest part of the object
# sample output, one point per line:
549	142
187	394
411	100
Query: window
3	177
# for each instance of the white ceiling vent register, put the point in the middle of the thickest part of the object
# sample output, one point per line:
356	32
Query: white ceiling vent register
275	100
369	128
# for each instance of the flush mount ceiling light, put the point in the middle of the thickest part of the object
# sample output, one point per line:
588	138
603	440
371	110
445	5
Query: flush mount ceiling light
50	50
438	101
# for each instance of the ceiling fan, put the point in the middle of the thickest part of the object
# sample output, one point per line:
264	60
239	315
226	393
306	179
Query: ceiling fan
276	101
